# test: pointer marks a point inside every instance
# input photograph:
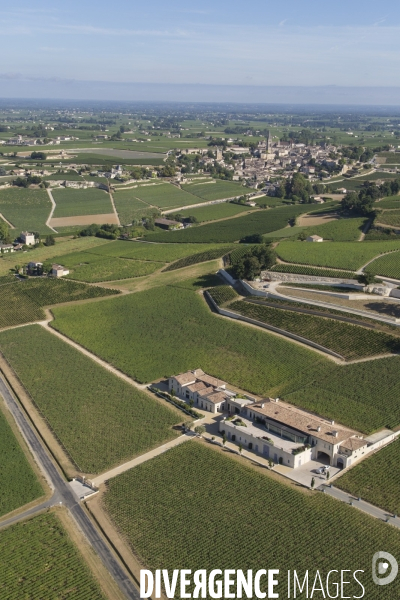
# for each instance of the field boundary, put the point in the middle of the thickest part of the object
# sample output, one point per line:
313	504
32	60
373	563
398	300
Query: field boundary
53	208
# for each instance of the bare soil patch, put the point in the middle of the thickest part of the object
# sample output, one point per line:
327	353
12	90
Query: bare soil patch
313	220
109	218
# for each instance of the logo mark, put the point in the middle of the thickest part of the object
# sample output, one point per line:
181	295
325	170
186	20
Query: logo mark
385	564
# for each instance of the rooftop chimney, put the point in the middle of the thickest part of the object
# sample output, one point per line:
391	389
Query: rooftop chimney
318	428
332	422
262	405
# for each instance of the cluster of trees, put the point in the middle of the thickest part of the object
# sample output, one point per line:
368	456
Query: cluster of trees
39	155
362	202
358	153
183	218
4	233
254	261
26	181
109	232
140	173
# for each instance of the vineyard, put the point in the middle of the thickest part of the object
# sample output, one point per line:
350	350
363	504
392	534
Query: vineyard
19	484
198	258
217	211
389	217
84	266
168	330
222	294
130	208
214	189
300	270
27	209
388	202
231	230
376	479
340	230
17	307
339	255
352	394
266	518
164	195
388	265
40	561
99	420
71	202
153	252
350	341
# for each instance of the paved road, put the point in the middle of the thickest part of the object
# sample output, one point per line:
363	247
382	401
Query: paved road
366	507
65	495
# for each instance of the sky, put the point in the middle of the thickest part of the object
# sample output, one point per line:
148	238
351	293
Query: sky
258	51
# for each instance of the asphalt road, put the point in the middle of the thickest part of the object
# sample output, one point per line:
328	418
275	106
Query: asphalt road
63	493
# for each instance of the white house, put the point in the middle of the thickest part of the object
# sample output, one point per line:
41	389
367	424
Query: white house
314	238
27	238
58	271
6	248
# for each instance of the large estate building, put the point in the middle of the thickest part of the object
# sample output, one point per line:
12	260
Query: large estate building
271	428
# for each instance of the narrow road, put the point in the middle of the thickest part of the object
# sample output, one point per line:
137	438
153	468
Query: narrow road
360	504
67	497
141	459
53	208
114	209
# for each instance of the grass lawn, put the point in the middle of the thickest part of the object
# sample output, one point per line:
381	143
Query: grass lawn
26	209
215	189
73	203
376	479
339	255
269	524
216	211
16	490
168	330
40	561
98	419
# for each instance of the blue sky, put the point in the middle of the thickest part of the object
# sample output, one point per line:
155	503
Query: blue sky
107	49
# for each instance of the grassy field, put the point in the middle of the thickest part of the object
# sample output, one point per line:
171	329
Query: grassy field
169	330
341	230
231	230
40	561
217	211
130	208
278	521
214	189
8	261
18	481
153	252
26	209
73	203
164	195
94	268
376	479
350	341
99	420
339	255
388	265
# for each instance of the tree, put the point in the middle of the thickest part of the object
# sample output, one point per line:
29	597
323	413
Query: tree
50	241
240	448
327	475
38	155
224	440
4	232
200	430
312	483
366	278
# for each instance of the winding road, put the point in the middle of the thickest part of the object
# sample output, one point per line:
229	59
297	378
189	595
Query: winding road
63	494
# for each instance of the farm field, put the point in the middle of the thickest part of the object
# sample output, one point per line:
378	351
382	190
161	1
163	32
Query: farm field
198	258
64	176
389	217
376	479
339	255
43	254
350	341
391	157
136	330
130	208
163	195
388	202
217	211
16	490
222	294
285	232
93	268
152	252
157	519
17	307
388	265
105	159
49	566
73	203
319	272
231	230
98	419
340	230
214	190
26	209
